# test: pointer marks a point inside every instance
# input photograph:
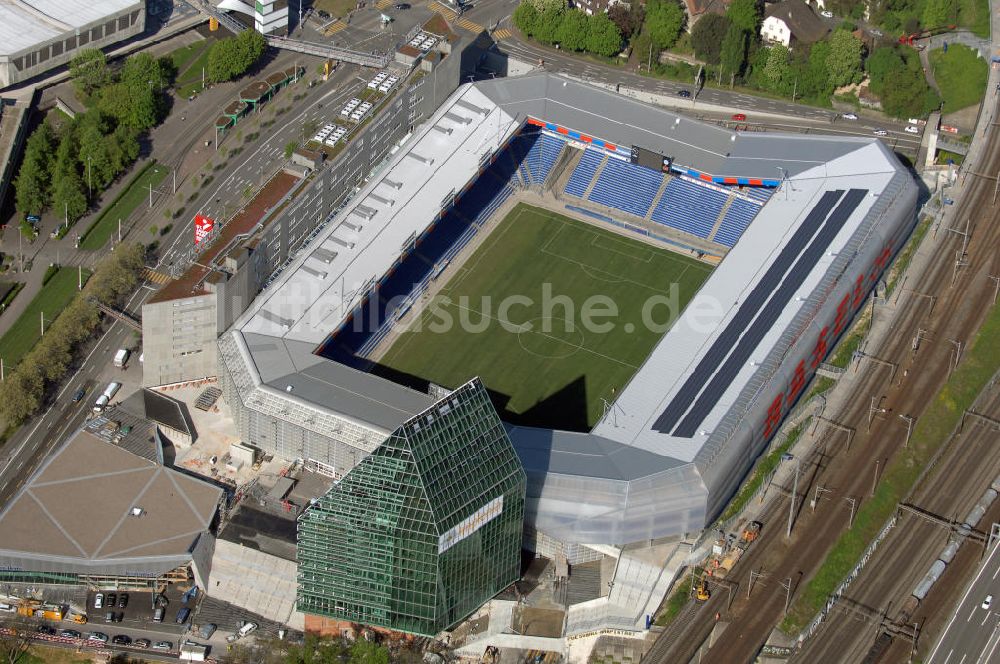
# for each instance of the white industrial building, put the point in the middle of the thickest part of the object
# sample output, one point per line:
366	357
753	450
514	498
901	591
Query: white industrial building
40	35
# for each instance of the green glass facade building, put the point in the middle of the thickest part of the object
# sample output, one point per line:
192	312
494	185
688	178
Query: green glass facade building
425	529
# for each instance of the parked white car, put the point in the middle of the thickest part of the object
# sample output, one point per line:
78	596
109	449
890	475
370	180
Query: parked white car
826	14
910	129
850	116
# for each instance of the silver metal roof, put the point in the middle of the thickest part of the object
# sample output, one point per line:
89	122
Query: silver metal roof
25	23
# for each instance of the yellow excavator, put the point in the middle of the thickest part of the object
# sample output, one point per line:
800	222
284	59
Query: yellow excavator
701	592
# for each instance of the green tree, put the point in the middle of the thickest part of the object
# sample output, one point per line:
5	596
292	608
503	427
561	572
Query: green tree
881	65
117	274
745	14
366	652
89	70
628	17
548	24
844	60
543	6
938	13
814	79
69	195
572	31
707	35
232	57
603	37
733	53
526	18
778	68
664	21
21	393
290	148
31	188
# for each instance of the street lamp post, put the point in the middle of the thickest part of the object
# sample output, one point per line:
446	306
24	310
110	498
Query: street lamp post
795	491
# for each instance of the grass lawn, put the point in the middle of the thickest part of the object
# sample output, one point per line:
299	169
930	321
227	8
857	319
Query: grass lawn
932	429
52	299
195	58
975	15
43	655
960	74
132	197
335	7
545	363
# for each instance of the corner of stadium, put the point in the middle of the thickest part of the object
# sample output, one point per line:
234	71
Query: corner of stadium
623	438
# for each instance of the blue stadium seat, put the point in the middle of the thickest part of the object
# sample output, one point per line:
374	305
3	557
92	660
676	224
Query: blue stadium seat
762	194
689	207
584	172
738	217
626	187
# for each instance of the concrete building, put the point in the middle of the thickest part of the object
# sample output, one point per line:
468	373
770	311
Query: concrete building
103	510
792	21
40	35
182	322
270	17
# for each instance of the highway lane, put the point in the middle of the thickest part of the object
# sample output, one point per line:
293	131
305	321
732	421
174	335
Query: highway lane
973	633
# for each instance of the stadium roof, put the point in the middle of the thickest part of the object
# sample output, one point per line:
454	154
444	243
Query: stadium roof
719	351
26	23
77	509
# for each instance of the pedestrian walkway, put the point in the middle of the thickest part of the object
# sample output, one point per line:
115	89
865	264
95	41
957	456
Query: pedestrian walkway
501	34
155	277
471	26
334	28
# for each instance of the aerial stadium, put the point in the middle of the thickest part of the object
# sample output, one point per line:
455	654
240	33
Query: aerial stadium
755	250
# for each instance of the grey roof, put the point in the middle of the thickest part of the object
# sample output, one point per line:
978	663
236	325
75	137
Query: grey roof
77	510
128	428
704	147
803	23
26	23
284	364
577	453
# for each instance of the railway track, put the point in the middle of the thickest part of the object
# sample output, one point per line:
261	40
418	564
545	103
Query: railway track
955	312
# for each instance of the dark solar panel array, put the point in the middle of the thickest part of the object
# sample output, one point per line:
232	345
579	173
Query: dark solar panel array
741	354
715	372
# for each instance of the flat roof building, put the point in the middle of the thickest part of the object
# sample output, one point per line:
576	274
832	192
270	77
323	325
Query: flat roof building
98	508
40	35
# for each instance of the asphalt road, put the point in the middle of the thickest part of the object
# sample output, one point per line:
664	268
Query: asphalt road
973	633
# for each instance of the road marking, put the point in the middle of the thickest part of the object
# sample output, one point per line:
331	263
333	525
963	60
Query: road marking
972	613
155	277
502	33
989	657
964	655
985	618
968	591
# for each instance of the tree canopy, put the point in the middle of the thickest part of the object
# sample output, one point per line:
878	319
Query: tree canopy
844	60
707	35
570	28
232	57
89	71
897	77
664	21
745	14
733	53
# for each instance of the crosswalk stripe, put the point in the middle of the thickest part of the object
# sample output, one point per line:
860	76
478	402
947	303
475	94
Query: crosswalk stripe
469	25
155	277
335	28
382	4
447	12
502	33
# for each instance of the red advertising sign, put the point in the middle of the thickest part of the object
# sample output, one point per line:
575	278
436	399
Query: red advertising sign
202	227
950	130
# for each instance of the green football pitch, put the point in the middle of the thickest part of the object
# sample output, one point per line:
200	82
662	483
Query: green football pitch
554	315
